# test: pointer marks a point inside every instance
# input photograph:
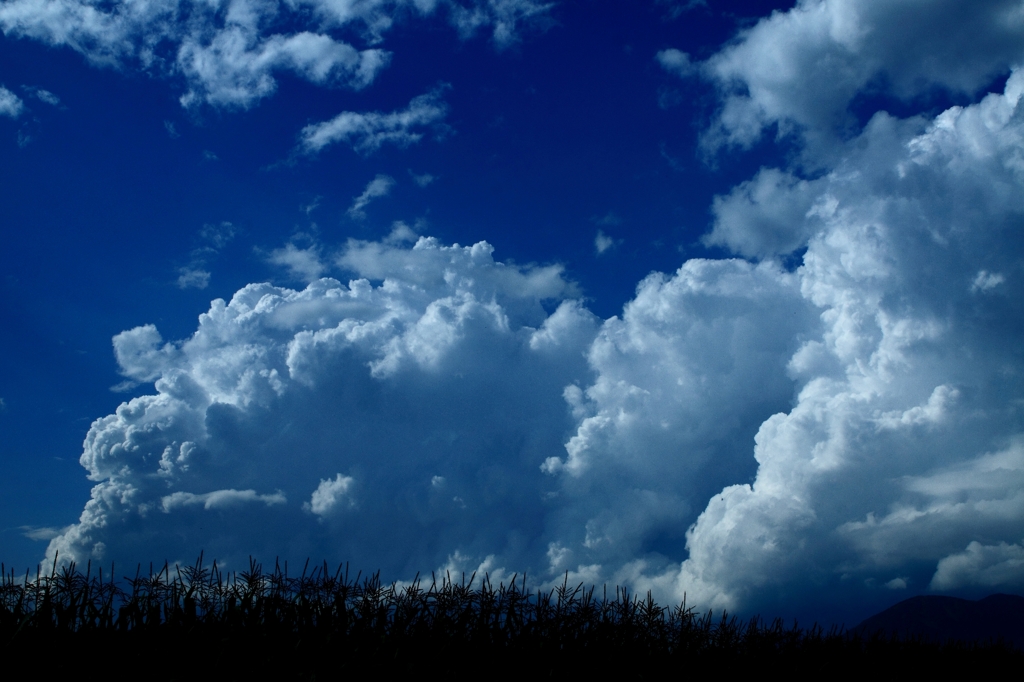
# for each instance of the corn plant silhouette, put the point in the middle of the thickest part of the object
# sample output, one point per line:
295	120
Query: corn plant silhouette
176	622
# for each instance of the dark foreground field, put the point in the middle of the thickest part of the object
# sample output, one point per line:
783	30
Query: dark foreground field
195	622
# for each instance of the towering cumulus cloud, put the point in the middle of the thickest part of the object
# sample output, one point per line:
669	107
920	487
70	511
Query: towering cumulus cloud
391	421
745	433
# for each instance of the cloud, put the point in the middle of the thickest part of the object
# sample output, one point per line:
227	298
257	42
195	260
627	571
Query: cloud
379	187
304	265
218	499
987	566
366	133
41	533
504	17
422	180
676	62
900	449
801	69
603	242
229	56
140	354
212	238
752	436
773	214
757	437
10	104
235	68
434	361
330	495
985	280
193	278
42	95
676	8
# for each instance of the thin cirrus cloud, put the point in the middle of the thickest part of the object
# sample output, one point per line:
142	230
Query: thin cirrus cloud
229	56
744	433
368	132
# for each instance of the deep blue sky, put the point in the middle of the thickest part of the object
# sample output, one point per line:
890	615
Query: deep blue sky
861	258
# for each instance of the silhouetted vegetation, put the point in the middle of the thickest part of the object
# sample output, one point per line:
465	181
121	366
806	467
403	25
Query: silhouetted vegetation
176	623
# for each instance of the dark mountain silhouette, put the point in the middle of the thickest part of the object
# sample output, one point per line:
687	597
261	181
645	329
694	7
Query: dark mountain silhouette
940	618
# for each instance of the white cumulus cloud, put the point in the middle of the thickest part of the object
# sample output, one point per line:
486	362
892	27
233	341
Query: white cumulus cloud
331	495
801	69
434	361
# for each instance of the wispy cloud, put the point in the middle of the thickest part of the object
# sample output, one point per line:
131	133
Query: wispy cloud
368	132
379	187
213	238
45	533
504	17
42	95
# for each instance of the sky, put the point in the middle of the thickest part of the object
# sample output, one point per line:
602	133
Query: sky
715	299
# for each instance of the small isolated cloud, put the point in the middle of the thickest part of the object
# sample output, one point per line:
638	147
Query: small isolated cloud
193	278
218	499
379	187
331	496
46	96
368	132
422	180
603	242
303	265
985	280
172	129
10	104
676	62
